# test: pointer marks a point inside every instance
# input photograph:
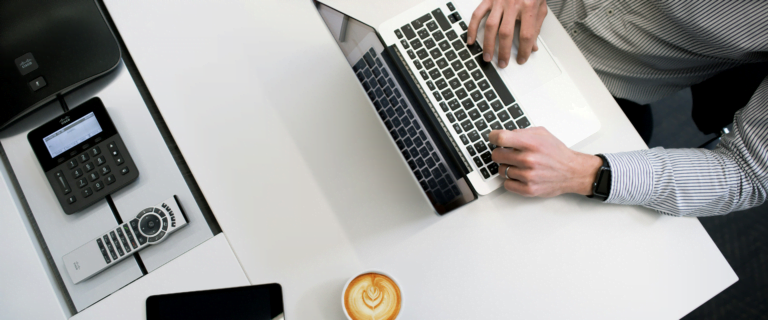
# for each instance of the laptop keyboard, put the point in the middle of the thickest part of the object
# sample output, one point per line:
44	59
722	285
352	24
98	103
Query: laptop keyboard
406	129
469	91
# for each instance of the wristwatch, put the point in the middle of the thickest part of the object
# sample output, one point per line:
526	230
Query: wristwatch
601	188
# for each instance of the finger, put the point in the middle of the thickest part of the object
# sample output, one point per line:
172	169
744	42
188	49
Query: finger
506	35
474	22
503	155
513	172
491	28
542	14
535	47
518	139
528	31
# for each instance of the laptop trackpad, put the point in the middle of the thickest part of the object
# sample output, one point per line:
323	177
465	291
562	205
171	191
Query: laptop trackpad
538	70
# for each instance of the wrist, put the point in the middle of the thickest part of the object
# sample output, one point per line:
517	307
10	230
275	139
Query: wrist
585	171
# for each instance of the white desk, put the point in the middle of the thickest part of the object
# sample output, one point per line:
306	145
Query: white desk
309	189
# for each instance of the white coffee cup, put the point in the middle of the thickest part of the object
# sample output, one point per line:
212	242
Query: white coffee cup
346	286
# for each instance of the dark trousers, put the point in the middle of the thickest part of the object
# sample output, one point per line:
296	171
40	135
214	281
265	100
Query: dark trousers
715	100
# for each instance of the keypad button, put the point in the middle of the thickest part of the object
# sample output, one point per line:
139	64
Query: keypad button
82	182
119	160
89	167
104	170
93	176
114	153
98	185
100	161
71	164
71	199
77	173
87	192
124	171
95	151
110	179
63	184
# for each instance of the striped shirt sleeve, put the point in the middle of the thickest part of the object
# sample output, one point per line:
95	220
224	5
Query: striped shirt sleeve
700	182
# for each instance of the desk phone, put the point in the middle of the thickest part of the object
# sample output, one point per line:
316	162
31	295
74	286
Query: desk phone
83	156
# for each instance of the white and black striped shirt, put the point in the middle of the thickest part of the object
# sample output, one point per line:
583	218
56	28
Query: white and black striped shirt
644	50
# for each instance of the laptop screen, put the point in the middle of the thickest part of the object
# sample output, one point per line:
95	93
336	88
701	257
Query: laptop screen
401	113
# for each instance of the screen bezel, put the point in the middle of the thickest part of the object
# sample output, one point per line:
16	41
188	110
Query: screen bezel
275	296
36	136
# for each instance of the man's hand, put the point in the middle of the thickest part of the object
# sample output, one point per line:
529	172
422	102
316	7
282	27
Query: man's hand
501	20
540	165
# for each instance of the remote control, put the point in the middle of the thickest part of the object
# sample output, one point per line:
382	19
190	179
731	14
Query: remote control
151	226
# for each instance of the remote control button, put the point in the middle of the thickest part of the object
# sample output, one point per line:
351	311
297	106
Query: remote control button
123	240
71	164
77	173
150	224
93	176
110	248
83	157
95	151
103	251
82	183
89	167
165	224
105	169
130	236
124	171
87	192
143	212
100	161
135	227
110	179
158	211
117	244
119	160
71	200
98	185
63	182
160	235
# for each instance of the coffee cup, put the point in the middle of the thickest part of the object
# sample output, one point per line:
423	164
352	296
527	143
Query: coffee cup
372	295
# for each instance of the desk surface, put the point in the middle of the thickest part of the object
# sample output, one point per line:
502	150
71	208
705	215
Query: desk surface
309	189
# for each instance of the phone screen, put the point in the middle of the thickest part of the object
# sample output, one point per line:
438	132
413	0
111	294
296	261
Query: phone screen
261	302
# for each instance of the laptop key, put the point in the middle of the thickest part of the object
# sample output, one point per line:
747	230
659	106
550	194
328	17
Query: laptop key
484	85
422	54
515	111
471	65
523	123
450	117
457	65
432	26
451	18
476	95
417	64
493	168
463	25
360	65
405	44
464	54
376	72
448	73
382	81
480	146
503	116
429	43
443	106
489	116
437	35
454	104
486	156
485	173
474	114
467	126
496	126
440	83
460	115
431	163
430	85
470	85
425	18
434	73
467	103
369	59
463	75
399	34
416	44
441	63
367	73
429	64
444	45
496	105
447	94
417	24
435	53
477	75
478	162
424	75
489	95
471	151
418	142
486	135
457	45
397	93
510	125
441	19
481	125
483	106
451	55
455	83
473	136
408	31
423	34
437	95
457	128
461	93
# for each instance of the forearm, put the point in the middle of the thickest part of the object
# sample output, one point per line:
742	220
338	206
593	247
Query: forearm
698	182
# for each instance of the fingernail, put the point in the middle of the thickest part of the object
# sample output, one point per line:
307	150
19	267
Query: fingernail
487	57
502	64
521	60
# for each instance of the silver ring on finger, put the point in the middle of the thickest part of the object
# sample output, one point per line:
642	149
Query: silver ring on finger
506	172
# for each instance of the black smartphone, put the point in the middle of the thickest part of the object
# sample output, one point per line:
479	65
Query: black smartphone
260	302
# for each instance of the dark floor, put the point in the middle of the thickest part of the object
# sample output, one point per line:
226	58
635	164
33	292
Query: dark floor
741	236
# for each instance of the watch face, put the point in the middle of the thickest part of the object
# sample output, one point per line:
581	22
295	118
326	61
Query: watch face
603	187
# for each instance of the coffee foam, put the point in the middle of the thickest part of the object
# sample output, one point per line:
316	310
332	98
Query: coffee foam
372	296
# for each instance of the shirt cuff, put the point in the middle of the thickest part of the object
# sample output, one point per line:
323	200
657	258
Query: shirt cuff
631	177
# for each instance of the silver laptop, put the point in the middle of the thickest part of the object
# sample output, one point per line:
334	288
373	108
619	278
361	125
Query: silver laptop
439	100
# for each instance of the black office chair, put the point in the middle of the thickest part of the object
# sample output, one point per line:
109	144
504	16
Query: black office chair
716	100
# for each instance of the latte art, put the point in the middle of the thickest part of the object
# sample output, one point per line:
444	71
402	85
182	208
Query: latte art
372	296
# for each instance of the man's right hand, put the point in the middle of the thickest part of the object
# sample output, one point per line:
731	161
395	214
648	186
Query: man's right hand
501	21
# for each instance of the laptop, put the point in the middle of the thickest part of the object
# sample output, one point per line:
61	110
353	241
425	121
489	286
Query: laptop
439	100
